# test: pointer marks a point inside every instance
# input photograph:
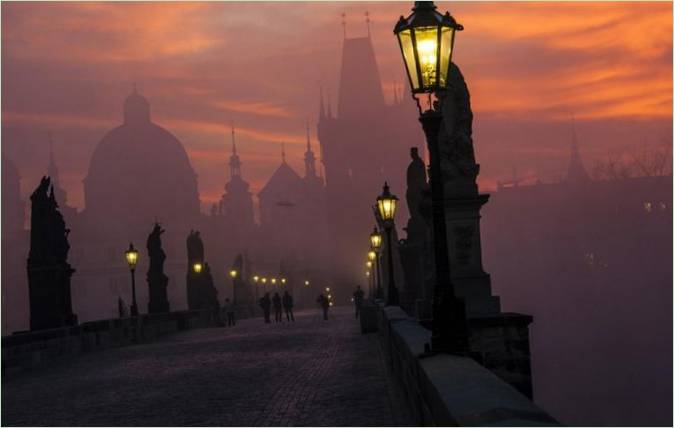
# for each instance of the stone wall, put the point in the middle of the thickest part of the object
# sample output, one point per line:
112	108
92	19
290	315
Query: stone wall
30	349
449	390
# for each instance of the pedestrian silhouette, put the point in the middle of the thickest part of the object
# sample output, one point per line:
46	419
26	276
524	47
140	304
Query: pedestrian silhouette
265	304
358	299
324	302
278	313
228	308
288	306
121	307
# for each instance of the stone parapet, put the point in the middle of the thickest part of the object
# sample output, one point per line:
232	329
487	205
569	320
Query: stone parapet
449	390
30	349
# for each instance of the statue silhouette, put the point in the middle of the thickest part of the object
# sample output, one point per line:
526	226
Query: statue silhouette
201	293
48	269
456	138
156	279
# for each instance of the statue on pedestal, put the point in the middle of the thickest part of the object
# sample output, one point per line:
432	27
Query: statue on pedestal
48	269
156	279
201	293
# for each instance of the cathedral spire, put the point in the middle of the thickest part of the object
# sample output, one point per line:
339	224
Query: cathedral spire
283	152
367	22
309	158
321	104
234	161
576	172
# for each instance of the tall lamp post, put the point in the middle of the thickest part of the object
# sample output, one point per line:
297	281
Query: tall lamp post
371	258
386	204
132	258
375	244
426	40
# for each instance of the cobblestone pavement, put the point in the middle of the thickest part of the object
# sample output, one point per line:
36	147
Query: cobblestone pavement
311	372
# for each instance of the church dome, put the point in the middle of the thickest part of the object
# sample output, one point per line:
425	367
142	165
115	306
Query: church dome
139	171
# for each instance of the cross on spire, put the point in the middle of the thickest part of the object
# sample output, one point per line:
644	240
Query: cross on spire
283	152
233	141
308	137
344	23
367	22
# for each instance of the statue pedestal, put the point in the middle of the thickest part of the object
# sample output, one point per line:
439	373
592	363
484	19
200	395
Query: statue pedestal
501	341
471	282
49	291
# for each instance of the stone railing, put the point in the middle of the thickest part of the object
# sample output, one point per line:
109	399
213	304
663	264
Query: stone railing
449	390
30	349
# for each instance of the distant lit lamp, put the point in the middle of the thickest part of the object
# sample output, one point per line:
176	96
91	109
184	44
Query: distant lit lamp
375	239
306	282
131	256
273	280
283	280
197	267
426	40
375	245
256	279
386	205
233	273
264	280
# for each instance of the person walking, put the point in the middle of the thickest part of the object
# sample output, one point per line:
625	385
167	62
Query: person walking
278	313
288	306
265	304
324	302
358	296
228	308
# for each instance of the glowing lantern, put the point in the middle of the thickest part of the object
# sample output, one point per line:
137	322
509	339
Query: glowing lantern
426	40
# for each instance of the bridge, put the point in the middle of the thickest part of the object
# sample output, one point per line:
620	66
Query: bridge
180	369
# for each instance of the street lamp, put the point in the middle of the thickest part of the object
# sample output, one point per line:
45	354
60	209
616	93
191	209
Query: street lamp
197	267
283	280
256	278
132	258
386	204
306	282
375	244
426	40
233	273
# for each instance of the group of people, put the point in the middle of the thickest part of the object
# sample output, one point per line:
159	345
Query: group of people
280	304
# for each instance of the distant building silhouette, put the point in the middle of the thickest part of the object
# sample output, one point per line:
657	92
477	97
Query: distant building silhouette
365	143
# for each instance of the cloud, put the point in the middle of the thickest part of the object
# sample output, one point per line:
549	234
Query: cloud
203	65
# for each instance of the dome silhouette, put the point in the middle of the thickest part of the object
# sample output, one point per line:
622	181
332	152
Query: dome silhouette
139	171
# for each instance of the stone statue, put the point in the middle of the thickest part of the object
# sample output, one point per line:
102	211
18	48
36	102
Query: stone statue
201	293
48	269
416	184
456	142
156	279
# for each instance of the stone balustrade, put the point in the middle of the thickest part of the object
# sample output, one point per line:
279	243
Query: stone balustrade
29	349
449	390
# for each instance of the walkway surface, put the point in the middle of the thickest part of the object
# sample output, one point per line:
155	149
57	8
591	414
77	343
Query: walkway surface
311	372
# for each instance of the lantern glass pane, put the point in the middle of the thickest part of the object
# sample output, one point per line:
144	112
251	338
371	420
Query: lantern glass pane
446	42
387	208
405	39
427	49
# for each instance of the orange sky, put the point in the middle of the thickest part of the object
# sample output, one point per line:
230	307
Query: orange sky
66	68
